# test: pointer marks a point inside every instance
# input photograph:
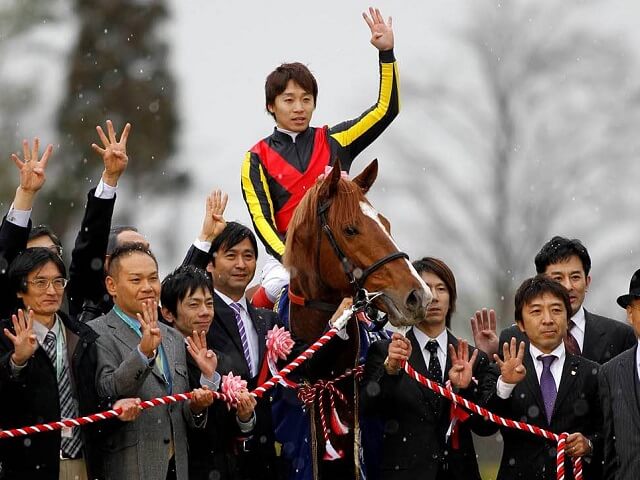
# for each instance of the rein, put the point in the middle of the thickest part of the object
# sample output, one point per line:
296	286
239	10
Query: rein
356	276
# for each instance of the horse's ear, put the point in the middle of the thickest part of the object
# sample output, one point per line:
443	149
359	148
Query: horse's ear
367	177
330	182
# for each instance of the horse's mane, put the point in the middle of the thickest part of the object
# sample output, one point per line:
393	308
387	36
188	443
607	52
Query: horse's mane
303	231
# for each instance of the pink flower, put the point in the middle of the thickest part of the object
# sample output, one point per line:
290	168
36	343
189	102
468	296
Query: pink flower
231	385
279	344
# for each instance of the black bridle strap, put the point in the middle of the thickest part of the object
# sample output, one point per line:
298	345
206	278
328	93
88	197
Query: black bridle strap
358	282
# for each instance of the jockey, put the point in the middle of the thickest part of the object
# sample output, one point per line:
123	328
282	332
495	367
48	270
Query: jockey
279	169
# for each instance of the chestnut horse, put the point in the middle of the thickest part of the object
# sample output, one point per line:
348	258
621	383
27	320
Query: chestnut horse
339	246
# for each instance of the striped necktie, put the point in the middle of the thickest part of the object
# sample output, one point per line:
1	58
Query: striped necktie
237	308
68	409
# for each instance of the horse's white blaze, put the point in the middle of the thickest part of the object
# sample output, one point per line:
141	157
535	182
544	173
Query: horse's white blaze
373	214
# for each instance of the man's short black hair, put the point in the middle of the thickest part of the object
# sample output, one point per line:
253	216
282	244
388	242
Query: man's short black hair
45	231
113	236
183	281
28	261
127	249
537	286
560	249
233	234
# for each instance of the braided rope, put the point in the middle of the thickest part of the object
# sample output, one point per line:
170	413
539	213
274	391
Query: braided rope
505	422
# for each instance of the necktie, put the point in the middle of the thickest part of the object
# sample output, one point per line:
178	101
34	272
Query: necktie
570	342
236	307
548	385
434	371
70	445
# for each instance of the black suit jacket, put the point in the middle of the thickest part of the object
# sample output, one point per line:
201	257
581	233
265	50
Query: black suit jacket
577	409
87	294
223	337
32	397
604	338
621	410
210	446
13	239
416	419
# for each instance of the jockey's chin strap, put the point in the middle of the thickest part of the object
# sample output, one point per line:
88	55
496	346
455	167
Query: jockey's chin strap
357	276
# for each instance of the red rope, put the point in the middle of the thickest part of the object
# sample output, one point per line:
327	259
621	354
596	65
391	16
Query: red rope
505	422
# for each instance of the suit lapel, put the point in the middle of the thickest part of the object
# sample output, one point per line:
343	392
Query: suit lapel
169	347
570	372
592	345
259	325
123	333
532	384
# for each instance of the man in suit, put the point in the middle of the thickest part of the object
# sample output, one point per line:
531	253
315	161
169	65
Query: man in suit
137	356
187	303
417	441
238	336
592	336
545	385
620	397
37	352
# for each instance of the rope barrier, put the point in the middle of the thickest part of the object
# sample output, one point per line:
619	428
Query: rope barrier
505	422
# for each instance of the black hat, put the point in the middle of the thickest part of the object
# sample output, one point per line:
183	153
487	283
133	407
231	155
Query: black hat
634	291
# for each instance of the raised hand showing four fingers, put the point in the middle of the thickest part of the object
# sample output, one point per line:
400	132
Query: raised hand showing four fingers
483	327
214	222
114	153
511	368
32	168
381	32
461	372
24	340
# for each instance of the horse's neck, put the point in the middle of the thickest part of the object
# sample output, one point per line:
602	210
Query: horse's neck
307	323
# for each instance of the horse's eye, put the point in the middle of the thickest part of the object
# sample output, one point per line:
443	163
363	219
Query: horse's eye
350	230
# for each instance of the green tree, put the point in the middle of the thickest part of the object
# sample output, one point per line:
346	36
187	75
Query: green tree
118	70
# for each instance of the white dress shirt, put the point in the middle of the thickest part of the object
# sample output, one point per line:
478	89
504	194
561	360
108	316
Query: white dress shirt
442	338
252	334
21	217
504	389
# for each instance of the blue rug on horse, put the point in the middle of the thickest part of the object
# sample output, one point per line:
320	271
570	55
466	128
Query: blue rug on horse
291	419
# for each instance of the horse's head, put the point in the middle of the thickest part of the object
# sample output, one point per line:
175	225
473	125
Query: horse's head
337	242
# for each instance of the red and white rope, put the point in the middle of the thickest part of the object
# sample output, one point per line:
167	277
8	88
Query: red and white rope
505	422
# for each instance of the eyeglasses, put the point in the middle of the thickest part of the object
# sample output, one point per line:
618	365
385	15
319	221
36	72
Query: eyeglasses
42	284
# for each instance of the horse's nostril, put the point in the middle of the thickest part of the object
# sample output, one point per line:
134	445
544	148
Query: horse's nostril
413	300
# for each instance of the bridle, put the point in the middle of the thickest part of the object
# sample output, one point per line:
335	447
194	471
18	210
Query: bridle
356	275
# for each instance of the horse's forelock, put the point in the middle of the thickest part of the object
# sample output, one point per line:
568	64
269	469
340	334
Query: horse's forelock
345	209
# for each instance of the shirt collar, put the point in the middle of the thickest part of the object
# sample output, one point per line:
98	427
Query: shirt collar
579	319
638	355
228	301
41	331
559	352
423	338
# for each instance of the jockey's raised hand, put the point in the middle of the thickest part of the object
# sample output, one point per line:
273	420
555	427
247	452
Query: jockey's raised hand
399	352
512	369
381	31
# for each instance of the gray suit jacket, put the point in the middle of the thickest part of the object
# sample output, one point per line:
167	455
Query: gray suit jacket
140	449
621	409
